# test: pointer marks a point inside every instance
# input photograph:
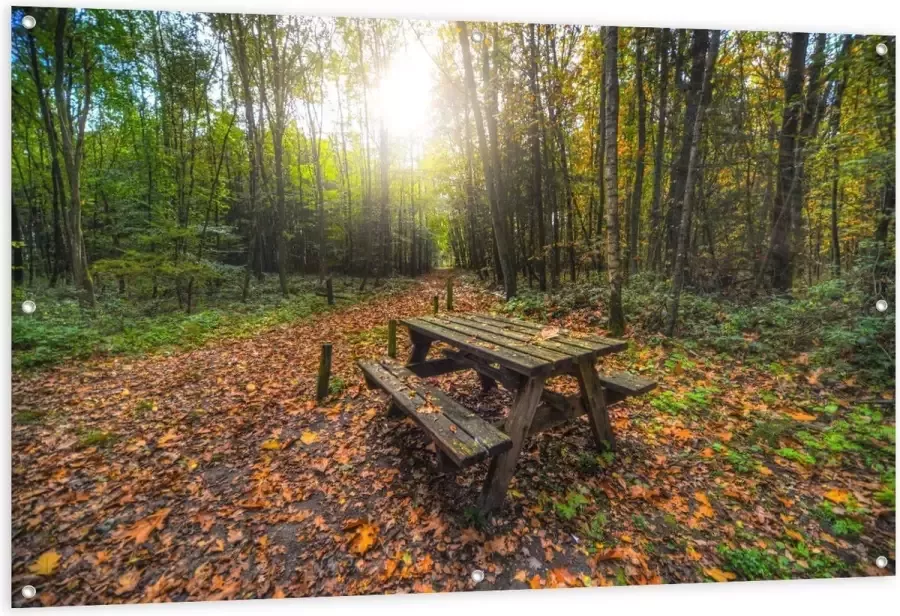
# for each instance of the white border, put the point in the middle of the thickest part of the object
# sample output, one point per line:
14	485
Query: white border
815	597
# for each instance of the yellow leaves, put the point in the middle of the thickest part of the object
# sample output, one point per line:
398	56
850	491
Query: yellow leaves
764	470
142	529
535	582
793	534
127	581
707	453
235	535
521	576
692	553
563	577
46	563
801	416
702	511
251	387
719	575
309	438
168	437
273	444
837	496
363	536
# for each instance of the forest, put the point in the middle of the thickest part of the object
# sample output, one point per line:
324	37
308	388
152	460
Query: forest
189	188
155	153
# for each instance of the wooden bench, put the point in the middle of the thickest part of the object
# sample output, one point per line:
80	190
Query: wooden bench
462	438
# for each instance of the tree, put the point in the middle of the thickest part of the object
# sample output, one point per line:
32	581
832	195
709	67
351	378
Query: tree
610	175
687	206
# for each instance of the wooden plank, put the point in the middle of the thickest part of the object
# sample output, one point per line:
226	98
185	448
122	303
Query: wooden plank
519	362
626	383
593	399
561	347
505	341
480	430
459	446
518	425
603	345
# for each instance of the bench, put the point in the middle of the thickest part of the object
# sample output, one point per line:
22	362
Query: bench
461	437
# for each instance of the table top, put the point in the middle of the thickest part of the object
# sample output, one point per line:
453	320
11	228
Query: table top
521	346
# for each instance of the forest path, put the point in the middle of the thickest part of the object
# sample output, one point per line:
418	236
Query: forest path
213	474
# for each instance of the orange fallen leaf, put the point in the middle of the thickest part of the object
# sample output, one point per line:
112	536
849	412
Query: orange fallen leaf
251	387
521	576
127	581
837	496
764	470
564	576
793	534
706	453
692	553
309	437
272	444
719	575
801	416
535	582
142	529
363	539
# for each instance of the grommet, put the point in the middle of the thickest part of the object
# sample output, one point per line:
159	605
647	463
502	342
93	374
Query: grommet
881	305
881	562
28	306
477	36
29	591
29	22
477	576
881	49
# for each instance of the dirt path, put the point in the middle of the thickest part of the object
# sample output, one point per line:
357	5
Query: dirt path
213	474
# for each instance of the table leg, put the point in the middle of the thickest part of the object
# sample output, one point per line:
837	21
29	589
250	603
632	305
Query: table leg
420	346
593	397
517	426
487	383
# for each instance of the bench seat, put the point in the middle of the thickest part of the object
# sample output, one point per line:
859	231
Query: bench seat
460	435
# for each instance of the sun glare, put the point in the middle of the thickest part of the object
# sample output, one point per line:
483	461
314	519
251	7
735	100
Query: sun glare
404	94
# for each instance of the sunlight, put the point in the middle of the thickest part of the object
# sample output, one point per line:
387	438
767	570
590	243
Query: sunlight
404	94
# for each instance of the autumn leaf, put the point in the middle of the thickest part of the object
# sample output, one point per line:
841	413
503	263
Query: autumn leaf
251	387
521	576
549	332
363	538
535	582
793	534
168	437
273	444
801	416
45	564
142	529
127	581
565	577
764	470
719	575
692	553
309	438
837	496
235	535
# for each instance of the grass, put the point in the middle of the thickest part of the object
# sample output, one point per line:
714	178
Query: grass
95	438
138	323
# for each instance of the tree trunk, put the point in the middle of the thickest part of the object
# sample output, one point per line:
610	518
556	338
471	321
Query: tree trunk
685	226
536	162
611	70
634	219
498	217
780	260
656	234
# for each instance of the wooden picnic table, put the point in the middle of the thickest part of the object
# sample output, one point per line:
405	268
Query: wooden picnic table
522	355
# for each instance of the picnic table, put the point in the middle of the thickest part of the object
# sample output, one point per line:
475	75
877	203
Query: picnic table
519	355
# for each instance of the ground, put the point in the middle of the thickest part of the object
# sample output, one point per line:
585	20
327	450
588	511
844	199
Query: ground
213	474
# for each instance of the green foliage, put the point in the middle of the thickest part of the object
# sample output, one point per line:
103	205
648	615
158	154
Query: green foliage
595	528
796	456
27	418
839	524
95	438
740	461
755	564
62	329
573	503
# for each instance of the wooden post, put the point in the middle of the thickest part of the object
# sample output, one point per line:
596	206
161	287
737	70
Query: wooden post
329	291
449	294
392	338
435	307
324	372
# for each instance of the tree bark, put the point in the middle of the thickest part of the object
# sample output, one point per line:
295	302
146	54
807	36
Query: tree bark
656	234
614	272
634	219
685	226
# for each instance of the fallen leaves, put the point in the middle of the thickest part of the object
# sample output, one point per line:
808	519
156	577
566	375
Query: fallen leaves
837	496
719	575
128	581
362	537
46	563
309	438
801	416
141	530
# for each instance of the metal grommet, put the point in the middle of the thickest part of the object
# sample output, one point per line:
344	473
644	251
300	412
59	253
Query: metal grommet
477	36
28	306
29	22
477	576
881	49
881	562
29	591
881	305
